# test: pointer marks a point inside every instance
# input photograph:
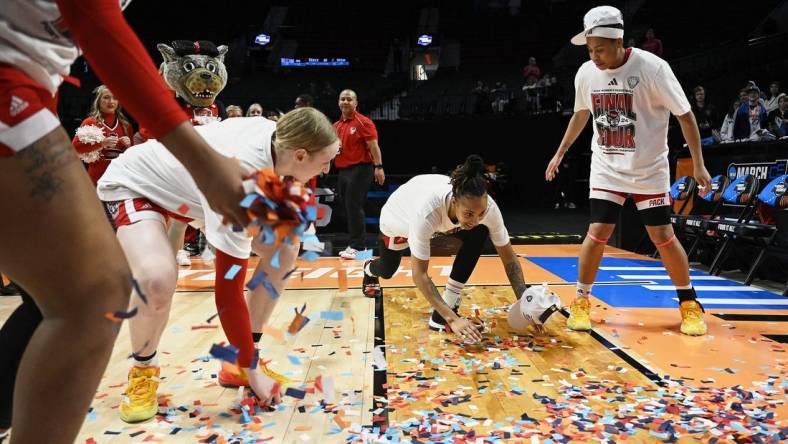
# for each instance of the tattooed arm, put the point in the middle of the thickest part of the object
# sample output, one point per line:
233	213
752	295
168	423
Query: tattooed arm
511	264
460	326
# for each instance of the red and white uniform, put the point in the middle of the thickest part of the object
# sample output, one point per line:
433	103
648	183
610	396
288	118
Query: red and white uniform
110	126
150	172
38	44
630	107
419	209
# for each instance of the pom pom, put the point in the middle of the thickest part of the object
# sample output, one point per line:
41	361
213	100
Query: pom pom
90	134
91	156
279	208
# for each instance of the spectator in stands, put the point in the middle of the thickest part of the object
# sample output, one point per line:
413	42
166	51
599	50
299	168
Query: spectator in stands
750	117
774	96
359	160
481	95
778	118
726	131
533	95
705	115
234	111
652	44
501	96
631	43
304	100
532	70
273	115
254	110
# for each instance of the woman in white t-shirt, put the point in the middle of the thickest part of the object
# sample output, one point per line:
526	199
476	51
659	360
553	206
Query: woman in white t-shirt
631	94
146	186
432	204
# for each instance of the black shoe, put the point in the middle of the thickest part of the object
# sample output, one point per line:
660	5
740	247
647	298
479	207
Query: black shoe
371	286
437	323
9	290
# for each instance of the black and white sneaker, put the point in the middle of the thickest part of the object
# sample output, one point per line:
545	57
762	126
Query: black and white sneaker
371	286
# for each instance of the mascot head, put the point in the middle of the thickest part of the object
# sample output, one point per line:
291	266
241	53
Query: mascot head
195	70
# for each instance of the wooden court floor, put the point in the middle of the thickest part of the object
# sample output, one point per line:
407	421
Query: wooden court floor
635	378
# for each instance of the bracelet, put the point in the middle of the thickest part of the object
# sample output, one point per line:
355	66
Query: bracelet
380	165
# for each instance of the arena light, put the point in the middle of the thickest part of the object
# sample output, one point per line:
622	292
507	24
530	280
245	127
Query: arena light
262	39
424	40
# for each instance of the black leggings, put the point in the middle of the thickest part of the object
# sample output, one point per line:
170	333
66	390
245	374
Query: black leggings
472	242
14	336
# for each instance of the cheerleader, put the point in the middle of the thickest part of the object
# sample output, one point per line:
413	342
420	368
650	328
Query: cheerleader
104	134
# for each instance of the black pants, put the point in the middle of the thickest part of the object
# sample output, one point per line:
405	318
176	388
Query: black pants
354	183
468	255
14	336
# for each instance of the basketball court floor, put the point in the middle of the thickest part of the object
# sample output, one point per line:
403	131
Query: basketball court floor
371	371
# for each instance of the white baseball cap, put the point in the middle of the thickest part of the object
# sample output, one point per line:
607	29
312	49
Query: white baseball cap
535	306
602	21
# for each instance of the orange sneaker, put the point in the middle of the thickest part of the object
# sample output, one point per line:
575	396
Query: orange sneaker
232	376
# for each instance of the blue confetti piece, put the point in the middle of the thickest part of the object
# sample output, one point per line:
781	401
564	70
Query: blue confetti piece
275	258
137	289
332	315
225	353
268	235
309	237
295	393
232	272
249	200
256	280
255	359
92	416
310	256
311	212
295	360
364	255
269	287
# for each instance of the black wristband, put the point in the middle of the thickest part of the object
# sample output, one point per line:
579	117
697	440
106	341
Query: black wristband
380	165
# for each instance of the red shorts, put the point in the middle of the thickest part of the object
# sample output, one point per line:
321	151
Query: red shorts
27	111
642	201
394	243
130	211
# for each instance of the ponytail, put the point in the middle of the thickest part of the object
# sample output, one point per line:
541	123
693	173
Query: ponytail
467	180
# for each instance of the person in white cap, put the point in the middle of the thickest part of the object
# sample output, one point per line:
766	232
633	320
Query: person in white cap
631	94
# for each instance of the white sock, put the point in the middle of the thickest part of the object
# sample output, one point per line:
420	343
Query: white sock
452	293
583	290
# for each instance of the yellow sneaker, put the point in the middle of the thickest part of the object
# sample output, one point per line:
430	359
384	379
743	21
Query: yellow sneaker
579	317
692	318
140	402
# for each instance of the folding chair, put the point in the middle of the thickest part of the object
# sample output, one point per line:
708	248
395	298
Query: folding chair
741	191
682	190
761	236
692	225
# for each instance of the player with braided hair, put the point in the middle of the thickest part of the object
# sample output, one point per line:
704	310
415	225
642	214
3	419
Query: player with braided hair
458	206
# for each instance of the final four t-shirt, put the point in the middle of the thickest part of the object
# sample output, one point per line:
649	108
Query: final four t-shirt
419	209
630	107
